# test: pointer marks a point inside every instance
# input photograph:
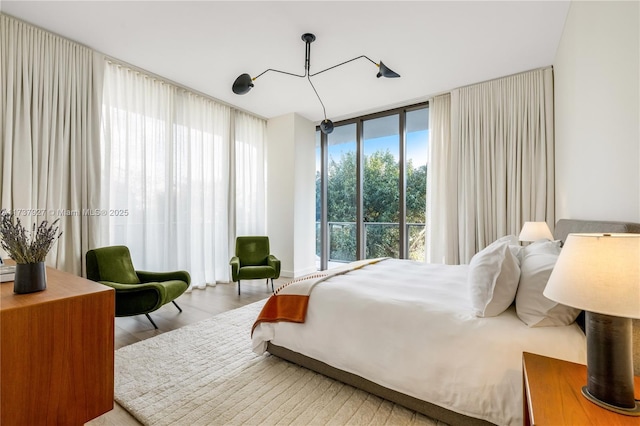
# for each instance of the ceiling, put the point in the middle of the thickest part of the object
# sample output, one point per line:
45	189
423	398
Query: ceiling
434	45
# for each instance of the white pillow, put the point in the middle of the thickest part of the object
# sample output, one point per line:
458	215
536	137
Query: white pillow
493	278
542	246
535	310
514	245
515	251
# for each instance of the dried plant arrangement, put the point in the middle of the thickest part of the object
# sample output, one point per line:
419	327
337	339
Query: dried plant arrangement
24	246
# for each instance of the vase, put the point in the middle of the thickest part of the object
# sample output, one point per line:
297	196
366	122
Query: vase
30	277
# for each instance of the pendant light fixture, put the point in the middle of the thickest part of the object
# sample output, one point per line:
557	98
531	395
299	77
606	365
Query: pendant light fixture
244	82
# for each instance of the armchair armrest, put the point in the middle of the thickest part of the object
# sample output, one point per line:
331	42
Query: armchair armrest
275	264
136	299
235	268
148	277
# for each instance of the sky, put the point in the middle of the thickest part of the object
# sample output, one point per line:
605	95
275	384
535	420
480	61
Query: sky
417	147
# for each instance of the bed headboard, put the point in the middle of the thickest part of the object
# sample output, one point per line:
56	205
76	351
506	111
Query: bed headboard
565	227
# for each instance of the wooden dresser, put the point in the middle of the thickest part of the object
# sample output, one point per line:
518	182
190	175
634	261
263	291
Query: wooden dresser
56	352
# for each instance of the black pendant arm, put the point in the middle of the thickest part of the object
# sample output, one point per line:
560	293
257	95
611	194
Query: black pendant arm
281	72
324	111
345	62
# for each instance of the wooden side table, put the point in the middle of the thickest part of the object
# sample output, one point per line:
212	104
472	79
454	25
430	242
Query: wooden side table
553	396
56	352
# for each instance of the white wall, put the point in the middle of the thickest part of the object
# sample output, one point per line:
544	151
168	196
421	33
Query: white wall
304	197
291	193
597	110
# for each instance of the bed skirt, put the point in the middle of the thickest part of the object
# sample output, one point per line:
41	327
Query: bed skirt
423	407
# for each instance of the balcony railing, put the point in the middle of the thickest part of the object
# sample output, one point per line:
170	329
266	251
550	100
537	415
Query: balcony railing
380	239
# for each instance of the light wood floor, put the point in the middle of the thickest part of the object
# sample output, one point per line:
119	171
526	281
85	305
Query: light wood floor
196	306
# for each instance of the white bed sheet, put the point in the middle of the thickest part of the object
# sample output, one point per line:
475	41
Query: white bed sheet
409	326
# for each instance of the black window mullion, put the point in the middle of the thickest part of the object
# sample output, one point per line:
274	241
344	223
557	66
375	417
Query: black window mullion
324	215
360	229
402	190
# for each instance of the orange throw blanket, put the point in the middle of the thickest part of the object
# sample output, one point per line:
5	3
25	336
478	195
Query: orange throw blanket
289	302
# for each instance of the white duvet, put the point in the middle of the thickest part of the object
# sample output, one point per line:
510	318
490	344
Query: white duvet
409	326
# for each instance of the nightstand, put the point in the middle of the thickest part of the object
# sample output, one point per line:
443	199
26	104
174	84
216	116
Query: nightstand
553	396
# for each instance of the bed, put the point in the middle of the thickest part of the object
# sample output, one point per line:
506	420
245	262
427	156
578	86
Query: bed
409	332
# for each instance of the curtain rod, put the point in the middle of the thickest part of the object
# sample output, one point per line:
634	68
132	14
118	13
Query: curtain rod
505	76
492	79
117	61
165	80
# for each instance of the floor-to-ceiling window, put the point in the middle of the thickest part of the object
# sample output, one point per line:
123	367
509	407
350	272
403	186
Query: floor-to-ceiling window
371	187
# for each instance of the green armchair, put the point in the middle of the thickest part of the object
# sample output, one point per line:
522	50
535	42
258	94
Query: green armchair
137	292
254	261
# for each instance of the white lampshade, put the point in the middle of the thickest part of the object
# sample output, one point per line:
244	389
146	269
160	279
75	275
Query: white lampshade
535	231
598	273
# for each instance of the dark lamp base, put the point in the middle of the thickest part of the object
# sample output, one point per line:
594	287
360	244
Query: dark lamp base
610	363
620	410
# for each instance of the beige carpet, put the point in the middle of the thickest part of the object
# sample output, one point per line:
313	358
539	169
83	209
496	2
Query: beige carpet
206	374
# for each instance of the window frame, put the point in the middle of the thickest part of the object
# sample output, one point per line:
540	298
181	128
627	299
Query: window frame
402	185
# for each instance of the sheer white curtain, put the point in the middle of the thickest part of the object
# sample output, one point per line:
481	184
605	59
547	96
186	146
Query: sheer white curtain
167	170
50	126
250	185
502	140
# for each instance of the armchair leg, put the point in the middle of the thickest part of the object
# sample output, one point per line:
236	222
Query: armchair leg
238	287
154	324
174	302
272	290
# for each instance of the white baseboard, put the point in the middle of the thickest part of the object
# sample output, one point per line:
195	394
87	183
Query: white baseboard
296	274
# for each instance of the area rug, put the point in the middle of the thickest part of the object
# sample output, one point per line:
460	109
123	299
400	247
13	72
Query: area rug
206	374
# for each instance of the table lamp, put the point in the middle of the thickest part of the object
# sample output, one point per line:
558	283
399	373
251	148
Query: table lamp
600	273
535	231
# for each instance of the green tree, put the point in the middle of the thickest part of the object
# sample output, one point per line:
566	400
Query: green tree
380	200
381	191
416	209
341	206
